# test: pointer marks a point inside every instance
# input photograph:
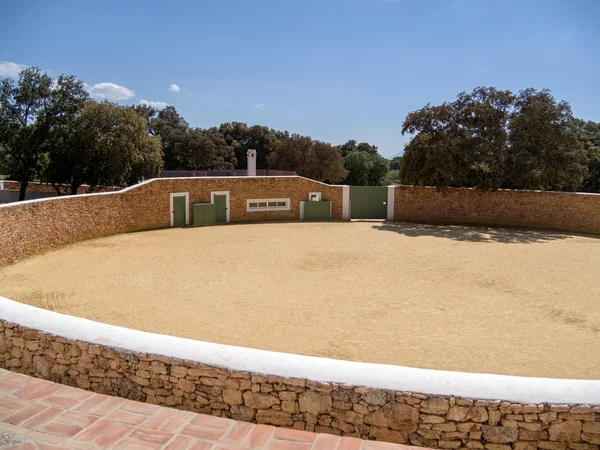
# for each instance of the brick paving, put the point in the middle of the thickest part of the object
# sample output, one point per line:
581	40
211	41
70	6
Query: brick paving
52	416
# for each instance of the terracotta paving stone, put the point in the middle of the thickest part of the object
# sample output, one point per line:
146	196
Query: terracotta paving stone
212	421
258	436
59	401
94	431
90	403
237	433
8	387
126	416
139	408
116	433
151	436
275	444
42	418
106	406
294	435
14	403
25	413
134	444
78	419
179	443
29	389
58	417
207	433
204	445
44	392
24	446
18	378
161	418
61	429
225	447
348	443
326	442
179	422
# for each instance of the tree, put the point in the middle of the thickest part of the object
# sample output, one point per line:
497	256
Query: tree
312	159
21	134
589	136
491	139
170	126
545	152
107	145
242	137
203	149
366	169
352	146
463	143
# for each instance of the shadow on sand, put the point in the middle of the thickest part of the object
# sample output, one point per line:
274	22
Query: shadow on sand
469	233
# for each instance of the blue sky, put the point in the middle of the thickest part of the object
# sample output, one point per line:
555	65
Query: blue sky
331	69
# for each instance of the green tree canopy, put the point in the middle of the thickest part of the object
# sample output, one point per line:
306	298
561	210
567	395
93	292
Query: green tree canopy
107	145
309	158
490	139
23	128
366	169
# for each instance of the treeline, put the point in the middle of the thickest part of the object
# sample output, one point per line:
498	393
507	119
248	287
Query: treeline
492	139
226	146
52	131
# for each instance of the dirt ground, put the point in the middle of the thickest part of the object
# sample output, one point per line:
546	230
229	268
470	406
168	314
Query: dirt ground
486	300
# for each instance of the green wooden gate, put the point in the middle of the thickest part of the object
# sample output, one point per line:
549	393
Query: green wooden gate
204	214
317	210
368	202
220	208
179	211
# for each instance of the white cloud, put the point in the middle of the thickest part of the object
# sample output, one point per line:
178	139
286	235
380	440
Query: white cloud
174	88
10	69
259	106
156	105
110	91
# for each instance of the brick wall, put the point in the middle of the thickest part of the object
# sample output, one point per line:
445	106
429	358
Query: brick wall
550	210
31	227
435	421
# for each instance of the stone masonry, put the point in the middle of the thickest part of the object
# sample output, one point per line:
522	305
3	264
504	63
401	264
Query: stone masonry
33	227
367	413
576	212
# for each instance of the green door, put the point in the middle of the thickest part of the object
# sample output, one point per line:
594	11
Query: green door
179	211
317	210
221	208
368	202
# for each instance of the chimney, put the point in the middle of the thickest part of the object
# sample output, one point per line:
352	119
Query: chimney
251	163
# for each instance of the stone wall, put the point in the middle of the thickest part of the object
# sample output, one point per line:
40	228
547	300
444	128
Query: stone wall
31	227
387	415
577	212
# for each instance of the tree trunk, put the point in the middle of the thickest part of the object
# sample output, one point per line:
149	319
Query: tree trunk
23	189
57	188
74	188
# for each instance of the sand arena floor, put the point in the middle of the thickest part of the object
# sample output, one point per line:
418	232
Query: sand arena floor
488	300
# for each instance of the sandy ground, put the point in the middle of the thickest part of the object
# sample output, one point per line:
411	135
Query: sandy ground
500	301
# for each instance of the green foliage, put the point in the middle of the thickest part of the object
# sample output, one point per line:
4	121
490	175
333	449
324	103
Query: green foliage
366	169
589	136
202	149
491	139
24	124
309	158
106	145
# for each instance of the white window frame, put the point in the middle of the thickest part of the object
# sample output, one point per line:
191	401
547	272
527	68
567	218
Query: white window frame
226	194
187	206
310	194
267	208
